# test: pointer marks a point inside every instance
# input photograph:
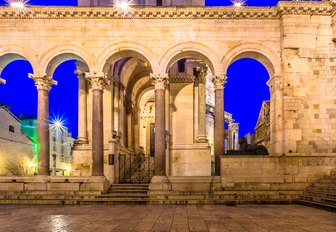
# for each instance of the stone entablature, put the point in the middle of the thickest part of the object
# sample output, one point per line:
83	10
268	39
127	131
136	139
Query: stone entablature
141	12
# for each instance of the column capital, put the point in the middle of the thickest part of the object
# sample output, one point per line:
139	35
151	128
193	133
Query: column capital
202	73
2	81
98	81
160	80
42	81
219	81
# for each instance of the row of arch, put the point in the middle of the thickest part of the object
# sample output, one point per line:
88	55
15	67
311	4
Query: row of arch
46	63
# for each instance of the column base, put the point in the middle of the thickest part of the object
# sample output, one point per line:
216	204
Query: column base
159	183
202	139
81	141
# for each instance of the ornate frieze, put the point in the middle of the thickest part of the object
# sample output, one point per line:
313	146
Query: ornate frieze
182	79
97	81
140	12
160	81
42	81
219	81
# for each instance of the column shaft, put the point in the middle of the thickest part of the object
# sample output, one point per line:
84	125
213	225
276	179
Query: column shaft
97	133
160	81
43	132
202	137
160	161
219	82
82	109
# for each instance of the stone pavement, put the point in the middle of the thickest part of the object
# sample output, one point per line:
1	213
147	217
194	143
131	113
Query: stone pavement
259	218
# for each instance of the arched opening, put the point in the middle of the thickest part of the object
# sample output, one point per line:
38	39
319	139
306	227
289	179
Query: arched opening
66	99
190	114
18	103
247	97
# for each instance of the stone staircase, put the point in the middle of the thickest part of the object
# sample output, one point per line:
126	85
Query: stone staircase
121	194
321	194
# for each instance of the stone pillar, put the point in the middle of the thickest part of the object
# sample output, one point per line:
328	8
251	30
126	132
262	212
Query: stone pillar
202	137
43	85
82	108
219	81
98	82
160	81
2	81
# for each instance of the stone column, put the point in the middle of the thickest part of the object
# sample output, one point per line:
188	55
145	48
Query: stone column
82	108
201	137
2	81
98	82
219	81
43	85
160	81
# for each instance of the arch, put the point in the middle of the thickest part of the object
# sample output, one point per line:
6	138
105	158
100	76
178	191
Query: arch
58	54
11	52
124	49
266	56
190	49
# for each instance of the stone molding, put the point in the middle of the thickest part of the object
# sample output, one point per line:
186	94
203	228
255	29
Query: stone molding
160	81
42	82
140	12
2	81
182	79
219	81
97	81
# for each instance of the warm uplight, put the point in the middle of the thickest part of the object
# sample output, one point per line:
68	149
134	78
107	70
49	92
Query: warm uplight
123	5
32	165
58	124
17	4
238	3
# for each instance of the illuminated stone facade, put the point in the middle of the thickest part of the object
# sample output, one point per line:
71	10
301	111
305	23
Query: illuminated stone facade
126	56
16	149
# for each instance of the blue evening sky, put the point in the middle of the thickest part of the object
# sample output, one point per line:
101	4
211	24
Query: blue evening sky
244	92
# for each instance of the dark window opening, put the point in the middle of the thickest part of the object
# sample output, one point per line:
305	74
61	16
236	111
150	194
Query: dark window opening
159	2
181	65
11	128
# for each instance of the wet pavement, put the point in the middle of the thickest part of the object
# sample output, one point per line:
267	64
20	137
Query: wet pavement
258	218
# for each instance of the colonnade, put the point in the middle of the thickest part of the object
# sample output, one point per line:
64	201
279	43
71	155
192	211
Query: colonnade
98	82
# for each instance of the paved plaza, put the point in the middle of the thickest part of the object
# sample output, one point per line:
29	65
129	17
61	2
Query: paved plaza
259	218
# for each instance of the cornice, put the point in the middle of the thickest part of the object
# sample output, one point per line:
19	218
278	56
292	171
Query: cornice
175	13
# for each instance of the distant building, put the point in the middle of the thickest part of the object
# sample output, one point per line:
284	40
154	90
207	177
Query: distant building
61	142
250	138
262	129
16	149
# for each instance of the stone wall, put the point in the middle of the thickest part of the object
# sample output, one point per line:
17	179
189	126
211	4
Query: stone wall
273	173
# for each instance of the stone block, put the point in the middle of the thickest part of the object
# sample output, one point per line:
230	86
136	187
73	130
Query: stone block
11	186
63	186
35	186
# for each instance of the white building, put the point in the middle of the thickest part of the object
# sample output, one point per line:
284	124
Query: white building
16	148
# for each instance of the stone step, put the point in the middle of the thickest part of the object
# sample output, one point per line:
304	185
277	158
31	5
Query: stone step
329	194
318	205
324	200
131	195
331	186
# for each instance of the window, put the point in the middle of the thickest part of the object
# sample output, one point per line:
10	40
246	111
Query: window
159	2
11	128
181	65
54	139
142	2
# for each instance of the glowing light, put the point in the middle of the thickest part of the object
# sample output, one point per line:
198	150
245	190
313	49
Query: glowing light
238	3
32	165
18	5
123	5
57	124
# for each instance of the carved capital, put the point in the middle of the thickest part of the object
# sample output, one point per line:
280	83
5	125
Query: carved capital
219	81
160	81
98	81
2	81
201	74
42	81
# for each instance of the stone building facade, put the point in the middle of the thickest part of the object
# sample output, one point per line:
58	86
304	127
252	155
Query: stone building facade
16	149
121	63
